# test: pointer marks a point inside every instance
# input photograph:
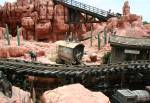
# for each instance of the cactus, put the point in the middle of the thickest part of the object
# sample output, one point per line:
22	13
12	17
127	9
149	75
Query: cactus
99	41
18	36
7	34
105	36
91	37
106	57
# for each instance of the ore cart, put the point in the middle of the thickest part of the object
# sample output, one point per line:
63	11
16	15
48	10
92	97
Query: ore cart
70	52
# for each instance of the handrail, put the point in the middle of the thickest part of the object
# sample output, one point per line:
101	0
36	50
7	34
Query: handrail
86	7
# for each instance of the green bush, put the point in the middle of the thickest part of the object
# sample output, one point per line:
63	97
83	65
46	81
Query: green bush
106	57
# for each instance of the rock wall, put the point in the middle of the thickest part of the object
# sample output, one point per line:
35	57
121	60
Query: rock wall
147	28
128	24
37	19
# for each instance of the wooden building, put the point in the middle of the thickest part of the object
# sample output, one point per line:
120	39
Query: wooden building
128	49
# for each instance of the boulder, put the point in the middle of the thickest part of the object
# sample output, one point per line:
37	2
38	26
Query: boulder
41	53
4	52
17	51
12	51
18	96
75	93
93	57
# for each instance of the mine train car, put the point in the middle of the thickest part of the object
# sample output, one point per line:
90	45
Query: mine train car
69	52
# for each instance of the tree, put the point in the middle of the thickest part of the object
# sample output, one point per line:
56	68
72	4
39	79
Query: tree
145	22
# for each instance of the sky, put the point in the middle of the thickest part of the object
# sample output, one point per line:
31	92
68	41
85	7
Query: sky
140	7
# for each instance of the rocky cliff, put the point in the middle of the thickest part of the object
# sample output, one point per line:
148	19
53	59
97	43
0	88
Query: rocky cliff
128	24
37	19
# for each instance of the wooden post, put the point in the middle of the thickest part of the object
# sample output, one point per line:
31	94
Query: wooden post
7	35
18	36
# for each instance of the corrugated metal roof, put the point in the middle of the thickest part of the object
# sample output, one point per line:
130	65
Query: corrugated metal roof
68	44
129	41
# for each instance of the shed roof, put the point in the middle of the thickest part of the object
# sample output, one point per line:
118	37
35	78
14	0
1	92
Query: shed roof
129	41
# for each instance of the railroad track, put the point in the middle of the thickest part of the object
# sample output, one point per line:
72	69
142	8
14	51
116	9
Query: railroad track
46	70
106	78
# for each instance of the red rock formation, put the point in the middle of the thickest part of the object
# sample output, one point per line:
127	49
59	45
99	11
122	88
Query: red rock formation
42	19
6	51
27	28
126	8
38	19
27	23
18	96
75	93
2	33
1	15
23	2
147	28
42	30
59	26
127	25
23	13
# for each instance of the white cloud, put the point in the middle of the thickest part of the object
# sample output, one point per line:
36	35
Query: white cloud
3	1
10	0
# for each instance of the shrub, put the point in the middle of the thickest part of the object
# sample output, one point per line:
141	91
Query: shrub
106	57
